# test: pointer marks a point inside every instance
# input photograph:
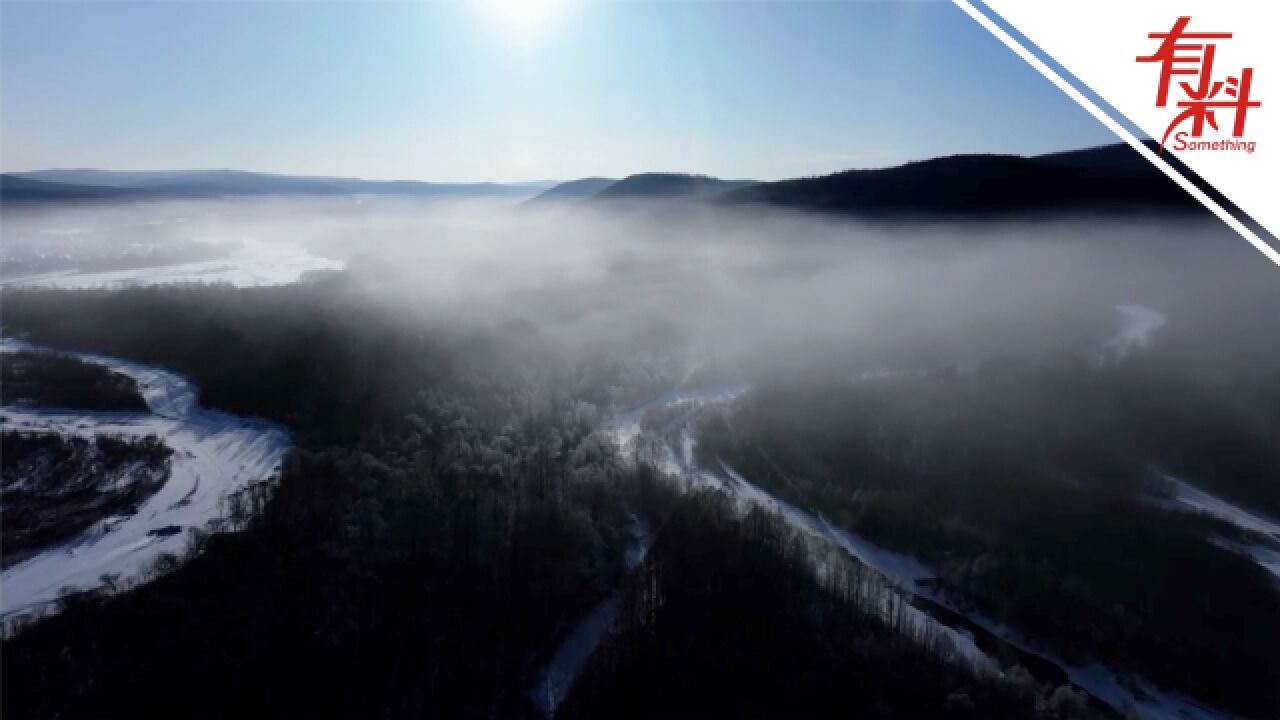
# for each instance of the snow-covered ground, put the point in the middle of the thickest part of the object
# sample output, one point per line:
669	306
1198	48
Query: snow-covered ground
1188	498
214	454
253	263
1196	500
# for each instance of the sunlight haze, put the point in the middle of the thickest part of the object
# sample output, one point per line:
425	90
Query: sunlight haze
499	90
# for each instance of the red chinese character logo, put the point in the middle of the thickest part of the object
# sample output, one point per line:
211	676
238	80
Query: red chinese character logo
1191	53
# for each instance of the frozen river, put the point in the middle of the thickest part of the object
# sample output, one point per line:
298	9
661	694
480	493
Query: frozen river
214	455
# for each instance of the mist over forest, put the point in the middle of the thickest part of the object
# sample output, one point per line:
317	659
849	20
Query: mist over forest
576	360
743	285
542	450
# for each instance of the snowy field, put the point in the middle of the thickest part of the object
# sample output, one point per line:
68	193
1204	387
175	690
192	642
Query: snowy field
214	454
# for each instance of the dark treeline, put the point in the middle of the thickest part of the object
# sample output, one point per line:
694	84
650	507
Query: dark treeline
334	363
310	356
56	487
727	619
1030	486
47	380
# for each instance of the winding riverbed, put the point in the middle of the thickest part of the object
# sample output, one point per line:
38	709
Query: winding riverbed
214	454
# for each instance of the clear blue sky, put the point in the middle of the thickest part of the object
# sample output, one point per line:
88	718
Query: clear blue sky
462	91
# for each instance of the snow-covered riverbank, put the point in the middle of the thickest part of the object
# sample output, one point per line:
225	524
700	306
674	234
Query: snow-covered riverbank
214	455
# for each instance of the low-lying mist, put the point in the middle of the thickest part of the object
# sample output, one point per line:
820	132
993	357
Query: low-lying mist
746	289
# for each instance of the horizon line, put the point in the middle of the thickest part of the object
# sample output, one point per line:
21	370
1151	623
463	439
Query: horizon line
551	181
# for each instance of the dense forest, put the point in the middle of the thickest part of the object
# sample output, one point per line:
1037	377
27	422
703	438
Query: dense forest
727	620
47	380
1033	487
440	526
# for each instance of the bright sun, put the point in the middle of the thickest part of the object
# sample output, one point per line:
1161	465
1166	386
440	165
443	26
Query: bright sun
523	19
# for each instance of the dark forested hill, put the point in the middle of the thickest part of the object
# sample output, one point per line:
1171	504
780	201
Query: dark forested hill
669	185
575	189
1112	179
1105	180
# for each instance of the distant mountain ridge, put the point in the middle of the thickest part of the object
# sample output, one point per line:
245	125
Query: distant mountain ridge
1107	179
1111	179
75	183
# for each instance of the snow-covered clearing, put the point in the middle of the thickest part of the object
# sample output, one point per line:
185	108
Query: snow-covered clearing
214	454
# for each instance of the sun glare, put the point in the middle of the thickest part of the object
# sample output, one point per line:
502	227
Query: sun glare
523	19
